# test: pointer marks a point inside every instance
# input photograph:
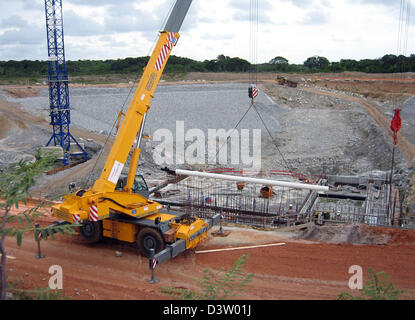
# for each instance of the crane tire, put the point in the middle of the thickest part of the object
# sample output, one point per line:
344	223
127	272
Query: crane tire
148	238
91	232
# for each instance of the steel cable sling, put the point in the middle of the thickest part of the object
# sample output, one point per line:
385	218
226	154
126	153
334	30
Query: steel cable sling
273	140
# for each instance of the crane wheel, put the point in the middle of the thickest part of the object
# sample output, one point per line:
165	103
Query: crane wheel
148	238
91	232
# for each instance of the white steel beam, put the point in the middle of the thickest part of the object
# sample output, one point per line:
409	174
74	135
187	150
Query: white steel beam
266	182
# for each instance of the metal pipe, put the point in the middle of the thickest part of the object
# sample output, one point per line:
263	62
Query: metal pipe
253	180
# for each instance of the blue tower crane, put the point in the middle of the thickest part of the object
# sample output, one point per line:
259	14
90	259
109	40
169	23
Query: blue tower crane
60	113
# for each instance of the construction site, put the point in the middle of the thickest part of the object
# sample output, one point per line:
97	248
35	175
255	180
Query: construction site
321	182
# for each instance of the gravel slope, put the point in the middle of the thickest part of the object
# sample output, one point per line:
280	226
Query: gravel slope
314	133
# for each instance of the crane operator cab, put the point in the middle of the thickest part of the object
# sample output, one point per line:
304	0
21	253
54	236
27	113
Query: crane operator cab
139	186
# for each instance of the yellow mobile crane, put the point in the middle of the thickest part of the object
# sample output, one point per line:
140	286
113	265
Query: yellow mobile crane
114	207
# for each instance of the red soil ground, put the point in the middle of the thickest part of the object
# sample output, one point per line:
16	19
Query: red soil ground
297	270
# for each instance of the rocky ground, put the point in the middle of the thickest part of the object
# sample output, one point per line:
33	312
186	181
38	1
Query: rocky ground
314	132
327	134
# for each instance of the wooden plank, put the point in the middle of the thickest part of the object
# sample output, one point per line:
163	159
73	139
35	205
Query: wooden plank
242	248
9	257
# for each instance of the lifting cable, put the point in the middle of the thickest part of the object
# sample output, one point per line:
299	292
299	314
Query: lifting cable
229	136
273	140
403	27
402	43
253	70
133	85
253	42
253	75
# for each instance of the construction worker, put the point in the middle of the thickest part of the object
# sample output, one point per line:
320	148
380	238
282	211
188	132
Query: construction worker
338	215
315	215
291	214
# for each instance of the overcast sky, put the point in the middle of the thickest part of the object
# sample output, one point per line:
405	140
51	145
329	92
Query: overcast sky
294	29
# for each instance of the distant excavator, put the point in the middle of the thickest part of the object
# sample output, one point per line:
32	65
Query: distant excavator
283	81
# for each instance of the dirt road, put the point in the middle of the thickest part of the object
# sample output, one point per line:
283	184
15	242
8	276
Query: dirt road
297	270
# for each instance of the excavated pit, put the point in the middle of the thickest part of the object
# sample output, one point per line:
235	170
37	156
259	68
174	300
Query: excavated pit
315	133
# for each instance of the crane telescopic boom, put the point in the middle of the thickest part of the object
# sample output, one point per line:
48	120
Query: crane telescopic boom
134	120
124	212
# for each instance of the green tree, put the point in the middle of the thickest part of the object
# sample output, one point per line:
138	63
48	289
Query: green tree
317	62
349	64
236	65
336	67
209	65
216	285
370	66
15	183
389	63
278	60
220	62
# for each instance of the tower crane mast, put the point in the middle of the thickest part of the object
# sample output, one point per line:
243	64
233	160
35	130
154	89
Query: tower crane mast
60	112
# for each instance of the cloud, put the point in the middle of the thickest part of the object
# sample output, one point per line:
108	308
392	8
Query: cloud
13	22
75	25
392	3
128	27
243	12
24	42
22	52
316	17
112	41
31	4
124	17
301	3
327	4
98	3
19	32
309	12
27	36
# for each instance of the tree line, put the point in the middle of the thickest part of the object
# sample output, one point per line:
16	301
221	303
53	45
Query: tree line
387	64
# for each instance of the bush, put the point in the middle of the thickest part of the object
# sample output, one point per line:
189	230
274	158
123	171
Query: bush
377	287
217	285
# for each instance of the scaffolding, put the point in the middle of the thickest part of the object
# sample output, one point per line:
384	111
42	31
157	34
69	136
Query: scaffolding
364	202
239	203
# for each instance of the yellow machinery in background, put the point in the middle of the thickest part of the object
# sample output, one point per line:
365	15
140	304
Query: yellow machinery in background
283	81
118	206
